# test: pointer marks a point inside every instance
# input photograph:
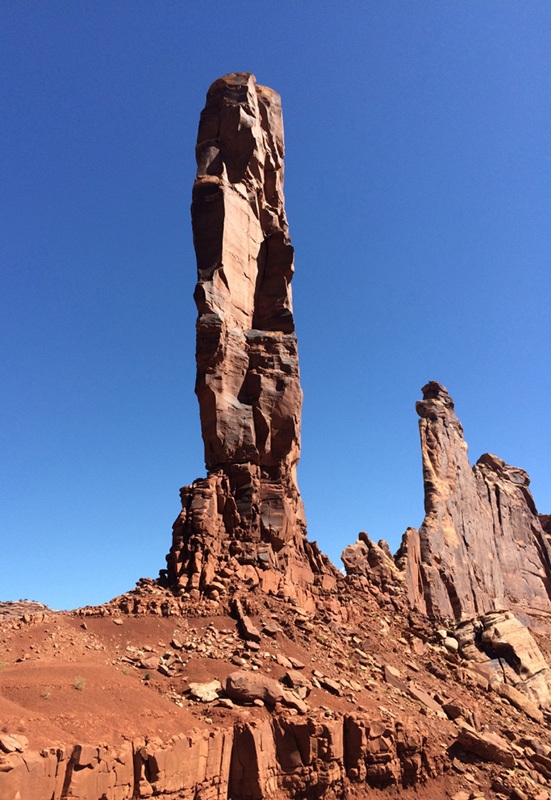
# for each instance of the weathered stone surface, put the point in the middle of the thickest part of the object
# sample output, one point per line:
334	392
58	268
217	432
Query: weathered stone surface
481	546
33	776
254	766
488	746
87	772
382	754
510	652
284	756
504	636
248	508
194	763
205	692
370	564
519	700
245	687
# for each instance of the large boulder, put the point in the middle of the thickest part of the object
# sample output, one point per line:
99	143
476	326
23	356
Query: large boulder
246	687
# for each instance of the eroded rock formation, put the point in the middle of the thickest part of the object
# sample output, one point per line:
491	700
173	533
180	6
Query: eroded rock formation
246	518
481	546
371	566
281	757
345	692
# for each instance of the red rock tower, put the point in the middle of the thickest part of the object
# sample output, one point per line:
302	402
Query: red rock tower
245	521
481	546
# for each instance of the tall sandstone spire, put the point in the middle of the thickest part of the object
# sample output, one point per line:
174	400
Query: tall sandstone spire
481	546
246	519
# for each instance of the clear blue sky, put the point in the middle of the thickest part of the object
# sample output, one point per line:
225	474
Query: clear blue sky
418	185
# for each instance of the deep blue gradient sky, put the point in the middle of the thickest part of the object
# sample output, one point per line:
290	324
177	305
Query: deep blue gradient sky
418	185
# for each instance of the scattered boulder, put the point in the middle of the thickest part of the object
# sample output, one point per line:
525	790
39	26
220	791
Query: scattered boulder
248	630
487	746
271	628
298	682
246	687
205	692
331	685
519	700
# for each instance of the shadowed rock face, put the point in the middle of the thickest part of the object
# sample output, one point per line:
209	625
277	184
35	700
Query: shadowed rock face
248	508
481	545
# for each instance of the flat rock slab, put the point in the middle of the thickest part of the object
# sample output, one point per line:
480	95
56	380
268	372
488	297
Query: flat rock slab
13	743
428	701
519	700
486	746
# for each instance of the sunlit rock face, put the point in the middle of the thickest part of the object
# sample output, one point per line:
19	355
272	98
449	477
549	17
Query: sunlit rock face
247	363
481	545
248	508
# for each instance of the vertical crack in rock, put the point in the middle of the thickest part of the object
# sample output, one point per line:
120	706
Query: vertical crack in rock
246	519
481	546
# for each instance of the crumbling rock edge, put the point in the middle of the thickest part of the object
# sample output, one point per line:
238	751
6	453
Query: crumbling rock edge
280	755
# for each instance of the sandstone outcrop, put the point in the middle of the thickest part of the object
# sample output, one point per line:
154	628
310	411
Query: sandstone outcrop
246	518
508	647
371	565
481	546
283	757
18	608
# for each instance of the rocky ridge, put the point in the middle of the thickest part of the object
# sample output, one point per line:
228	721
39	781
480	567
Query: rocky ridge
253	668
481	546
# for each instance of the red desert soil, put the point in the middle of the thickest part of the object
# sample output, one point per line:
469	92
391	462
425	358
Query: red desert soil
68	679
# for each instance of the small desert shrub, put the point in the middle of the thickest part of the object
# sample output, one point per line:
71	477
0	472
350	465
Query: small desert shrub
80	683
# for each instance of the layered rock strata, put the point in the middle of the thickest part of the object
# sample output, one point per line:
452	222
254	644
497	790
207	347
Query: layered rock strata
282	757
245	520
481	546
